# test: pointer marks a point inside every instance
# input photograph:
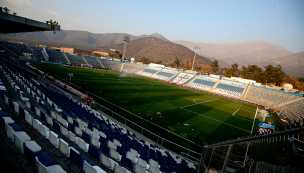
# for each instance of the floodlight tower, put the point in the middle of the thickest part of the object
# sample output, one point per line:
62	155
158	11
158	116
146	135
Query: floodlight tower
126	39
195	47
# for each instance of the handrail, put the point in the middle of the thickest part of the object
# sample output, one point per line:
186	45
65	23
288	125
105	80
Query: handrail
32	73
243	140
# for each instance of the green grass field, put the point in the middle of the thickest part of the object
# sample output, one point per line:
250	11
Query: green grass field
206	114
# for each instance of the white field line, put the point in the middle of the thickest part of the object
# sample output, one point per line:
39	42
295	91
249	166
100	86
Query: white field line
217	120
197	103
235	112
210	117
238	116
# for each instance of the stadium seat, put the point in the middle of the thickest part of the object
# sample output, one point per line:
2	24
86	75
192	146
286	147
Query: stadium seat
36	124
4	120
13	128
95	142
83	145
115	155
105	149
111	145
49	169
43	157
94	152
77	158
91	169
152	169
119	169
49	120
72	137
127	162
131	157
64	148
44	131
134	152
139	169
142	163
78	131
64	132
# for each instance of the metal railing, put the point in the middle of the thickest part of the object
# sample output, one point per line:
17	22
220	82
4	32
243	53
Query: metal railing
157	139
272	149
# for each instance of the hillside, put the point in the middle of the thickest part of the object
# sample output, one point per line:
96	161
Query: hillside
293	64
77	39
244	53
155	49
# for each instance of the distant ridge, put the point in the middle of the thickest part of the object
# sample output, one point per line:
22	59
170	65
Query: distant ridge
292	65
77	39
243	53
156	49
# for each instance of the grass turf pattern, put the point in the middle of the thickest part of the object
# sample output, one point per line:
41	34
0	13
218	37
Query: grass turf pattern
208	115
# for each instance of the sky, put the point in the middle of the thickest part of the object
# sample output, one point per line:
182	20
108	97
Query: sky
280	22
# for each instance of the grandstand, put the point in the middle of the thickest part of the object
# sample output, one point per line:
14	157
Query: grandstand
164	74
230	88
110	64
92	61
75	59
71	130
149	71
132	68
43	126
204	82
56	56
183	78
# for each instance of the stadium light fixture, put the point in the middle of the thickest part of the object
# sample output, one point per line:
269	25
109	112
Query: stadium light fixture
126	39
195	47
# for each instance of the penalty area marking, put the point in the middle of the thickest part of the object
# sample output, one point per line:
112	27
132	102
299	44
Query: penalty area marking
197	103
210	117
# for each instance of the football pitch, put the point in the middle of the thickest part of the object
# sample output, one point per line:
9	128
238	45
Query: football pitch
183	111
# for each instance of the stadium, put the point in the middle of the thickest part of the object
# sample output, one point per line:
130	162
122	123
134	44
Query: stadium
144	118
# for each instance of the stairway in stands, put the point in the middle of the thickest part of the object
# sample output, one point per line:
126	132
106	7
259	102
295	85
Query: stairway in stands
84	60
67	58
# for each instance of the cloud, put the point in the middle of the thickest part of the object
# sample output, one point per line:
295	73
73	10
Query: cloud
76	20
227	33
20	3
53	12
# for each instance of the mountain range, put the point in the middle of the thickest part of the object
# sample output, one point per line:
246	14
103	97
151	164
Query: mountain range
76	39
256	52
155	49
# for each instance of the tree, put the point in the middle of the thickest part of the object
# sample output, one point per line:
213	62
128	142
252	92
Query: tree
268	73
188	63
215	66
206	69
278	75
144	60
234	69
117	52
177	62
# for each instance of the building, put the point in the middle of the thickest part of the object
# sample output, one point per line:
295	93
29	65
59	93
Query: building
78	51
103	54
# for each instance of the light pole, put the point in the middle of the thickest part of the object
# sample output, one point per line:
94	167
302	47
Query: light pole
126	39
195	47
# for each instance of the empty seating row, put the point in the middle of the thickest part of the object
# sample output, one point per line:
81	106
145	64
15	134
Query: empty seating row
116	127
183	78
230	88
148	71
204	82
164	74
111	65
132	68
